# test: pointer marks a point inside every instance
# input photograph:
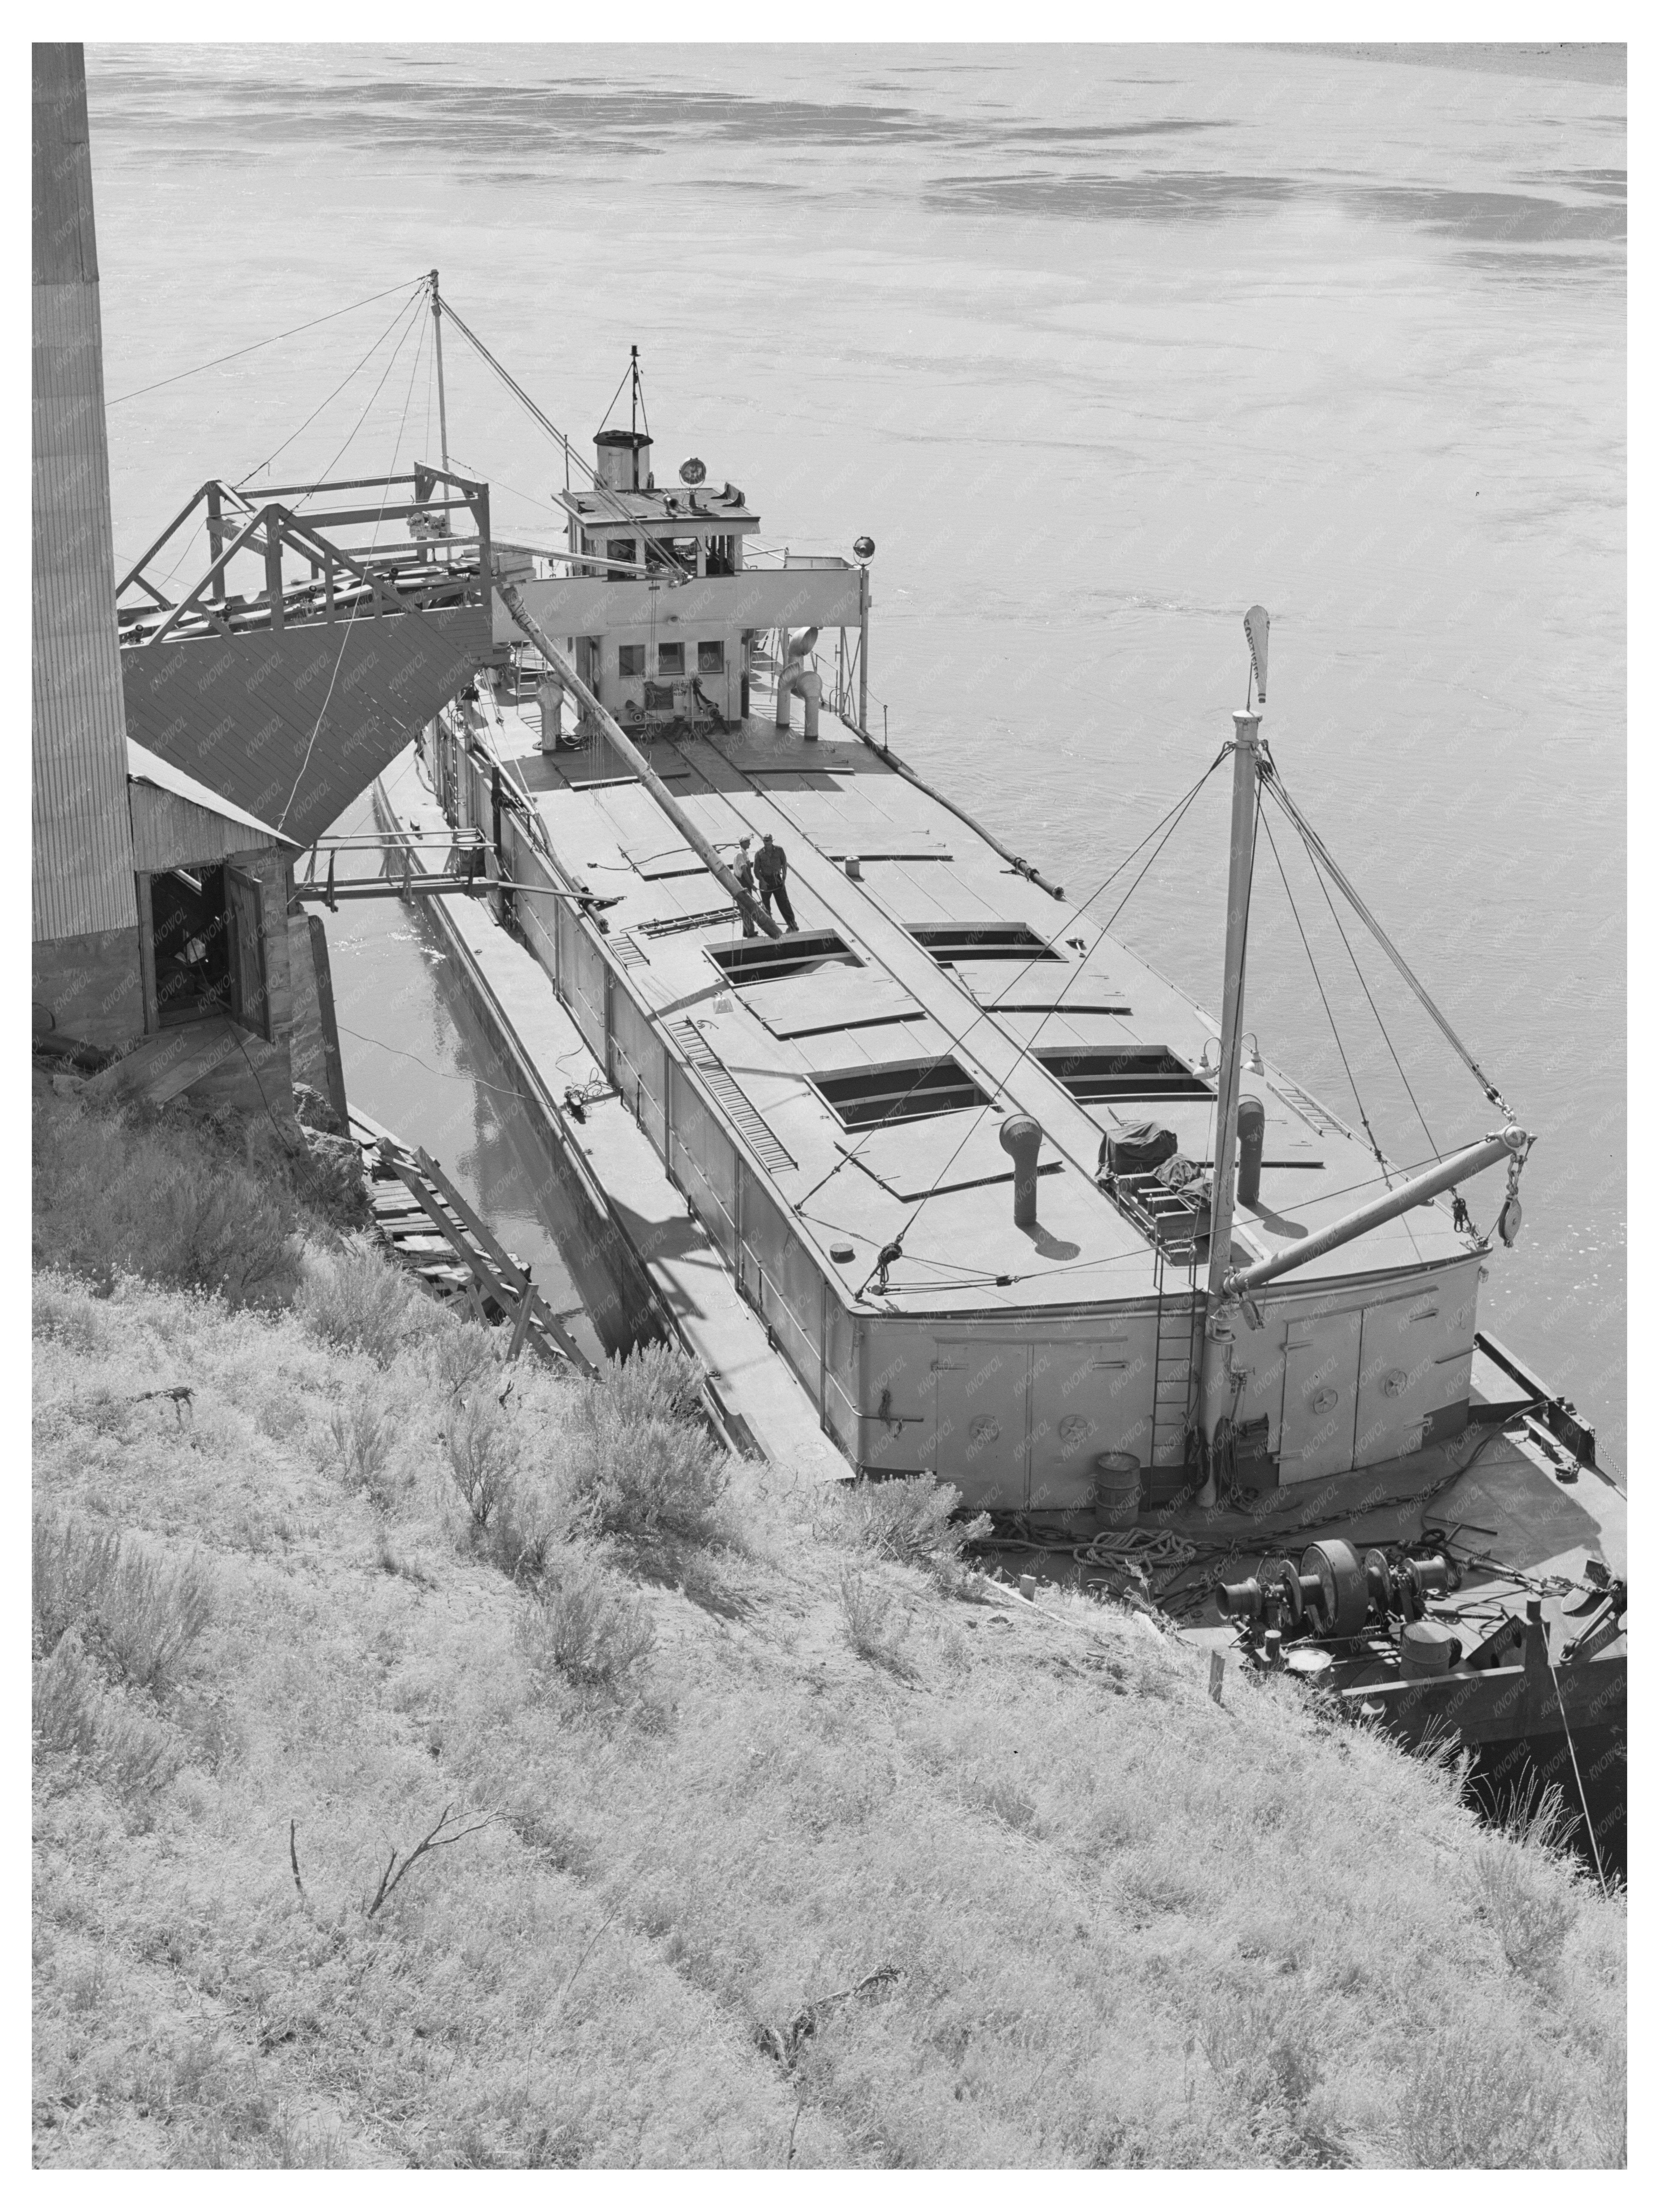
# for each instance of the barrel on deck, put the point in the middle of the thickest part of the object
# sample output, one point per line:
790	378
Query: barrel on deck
1117	1488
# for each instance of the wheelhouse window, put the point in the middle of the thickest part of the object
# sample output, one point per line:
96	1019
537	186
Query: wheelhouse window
622	549
670	660
711	657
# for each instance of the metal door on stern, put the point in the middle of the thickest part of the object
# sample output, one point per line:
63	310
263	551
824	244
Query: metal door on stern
983	1429
1084	1401
1411	1365
1321	1384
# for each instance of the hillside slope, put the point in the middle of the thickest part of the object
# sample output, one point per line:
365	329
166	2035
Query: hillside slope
713	1751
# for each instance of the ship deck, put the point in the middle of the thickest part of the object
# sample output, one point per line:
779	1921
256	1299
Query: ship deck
862	1022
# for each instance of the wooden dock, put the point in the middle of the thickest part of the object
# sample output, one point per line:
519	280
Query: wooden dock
429	1228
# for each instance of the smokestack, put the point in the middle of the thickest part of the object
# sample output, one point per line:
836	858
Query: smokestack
1022	1139
622	460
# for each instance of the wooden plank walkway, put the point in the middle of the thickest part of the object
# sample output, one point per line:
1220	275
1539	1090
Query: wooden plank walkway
433	1231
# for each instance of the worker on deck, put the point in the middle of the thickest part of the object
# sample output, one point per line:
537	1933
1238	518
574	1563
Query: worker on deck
743	869
771	869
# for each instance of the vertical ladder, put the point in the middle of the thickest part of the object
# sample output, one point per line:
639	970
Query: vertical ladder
1175	1387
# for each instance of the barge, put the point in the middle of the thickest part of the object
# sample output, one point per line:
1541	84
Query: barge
1013	1211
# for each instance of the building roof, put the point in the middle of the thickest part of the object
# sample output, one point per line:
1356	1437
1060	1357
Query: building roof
145	766
712	511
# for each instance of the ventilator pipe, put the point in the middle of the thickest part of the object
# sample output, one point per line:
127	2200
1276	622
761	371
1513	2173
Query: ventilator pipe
796	675
810	684
1252	1133
1021	1138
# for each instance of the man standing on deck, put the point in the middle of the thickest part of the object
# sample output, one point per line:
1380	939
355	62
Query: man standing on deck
743	869
771	869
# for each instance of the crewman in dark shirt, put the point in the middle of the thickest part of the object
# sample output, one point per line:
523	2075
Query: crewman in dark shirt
743	869
771	869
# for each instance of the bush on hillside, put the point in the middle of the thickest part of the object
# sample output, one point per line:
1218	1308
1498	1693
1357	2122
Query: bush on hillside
479	1443
364	1435
137	1616
581	1625
645	1480
877	1623
119	1193
462	1356
638	1463
357	1300
658	1382
72	1713
909	1520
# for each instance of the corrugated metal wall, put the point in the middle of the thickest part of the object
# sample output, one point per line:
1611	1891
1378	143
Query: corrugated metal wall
170	832
82	834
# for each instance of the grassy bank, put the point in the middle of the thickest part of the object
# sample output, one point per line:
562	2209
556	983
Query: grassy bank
753	1834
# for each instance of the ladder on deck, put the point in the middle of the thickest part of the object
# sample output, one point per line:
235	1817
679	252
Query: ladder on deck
1180	1314
739	1107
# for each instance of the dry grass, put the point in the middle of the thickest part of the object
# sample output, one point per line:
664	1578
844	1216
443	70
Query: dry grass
179	1198
1130	1927
586	1625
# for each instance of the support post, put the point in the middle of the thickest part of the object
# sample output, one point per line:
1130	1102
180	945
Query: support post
1215	1398
437	348
864	648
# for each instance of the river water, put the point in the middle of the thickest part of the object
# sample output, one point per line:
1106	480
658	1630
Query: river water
1100	345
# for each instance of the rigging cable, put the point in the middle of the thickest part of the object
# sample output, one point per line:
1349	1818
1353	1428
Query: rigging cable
219	359
1041	954
345	633
618	512
1319	985
1371	1003
1319	851
1176	815
368	403
189	540
261	466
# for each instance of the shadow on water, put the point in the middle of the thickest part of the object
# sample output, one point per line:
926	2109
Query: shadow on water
417	1061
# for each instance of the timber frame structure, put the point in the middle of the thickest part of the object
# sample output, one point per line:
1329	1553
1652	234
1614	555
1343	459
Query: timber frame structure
432	567
364	606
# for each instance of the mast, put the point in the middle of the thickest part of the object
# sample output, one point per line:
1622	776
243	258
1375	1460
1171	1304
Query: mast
1215	1395
438	344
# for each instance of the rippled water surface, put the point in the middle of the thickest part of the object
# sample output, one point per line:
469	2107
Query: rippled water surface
1100	346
